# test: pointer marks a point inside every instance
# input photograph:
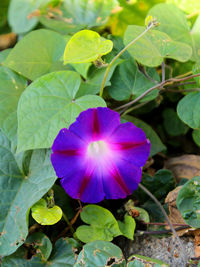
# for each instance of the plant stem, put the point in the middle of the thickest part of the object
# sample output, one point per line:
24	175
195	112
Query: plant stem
68	223
167	219
158	86
160	232
163	71
119	54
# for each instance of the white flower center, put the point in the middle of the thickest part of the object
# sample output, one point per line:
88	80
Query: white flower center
97	149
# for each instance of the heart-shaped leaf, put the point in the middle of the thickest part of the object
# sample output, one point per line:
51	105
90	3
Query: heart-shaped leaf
42	243
63	254
34	56
191	116
21	188
99	253
86	46
48	105
103	225
154	46
188	202
11	87
127	227
44	215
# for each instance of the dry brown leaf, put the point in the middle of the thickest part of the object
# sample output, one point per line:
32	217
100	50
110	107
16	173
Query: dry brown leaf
7	40
174	214
197	242
186	166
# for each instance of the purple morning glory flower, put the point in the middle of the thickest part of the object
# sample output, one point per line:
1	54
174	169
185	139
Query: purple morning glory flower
97	157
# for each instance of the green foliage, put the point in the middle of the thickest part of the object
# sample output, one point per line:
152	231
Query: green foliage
142	261
11	87
128	81
86	46
41	243
173	125
76	15
196	136
159	185
191	116
188	201
50	76
166	14
61	255
33	56
127	227
103	225
45	215
98	253
156	144
20	190
151	49
50	104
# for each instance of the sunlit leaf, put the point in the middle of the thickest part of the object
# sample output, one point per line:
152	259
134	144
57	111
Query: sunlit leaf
86	46
44	215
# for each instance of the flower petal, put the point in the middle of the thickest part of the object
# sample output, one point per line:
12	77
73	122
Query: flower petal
85	184
130	143
122	179
68	150
95	124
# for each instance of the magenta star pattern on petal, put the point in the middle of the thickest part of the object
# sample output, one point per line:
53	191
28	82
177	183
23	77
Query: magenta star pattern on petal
97	157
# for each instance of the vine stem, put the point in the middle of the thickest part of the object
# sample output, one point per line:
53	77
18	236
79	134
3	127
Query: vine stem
167	219
68	223
157	86
119	54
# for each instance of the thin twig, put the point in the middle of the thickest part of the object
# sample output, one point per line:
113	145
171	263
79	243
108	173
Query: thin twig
158	86
134	107
165	224
163	71
160	232
167	219
119	54
182	90
181	84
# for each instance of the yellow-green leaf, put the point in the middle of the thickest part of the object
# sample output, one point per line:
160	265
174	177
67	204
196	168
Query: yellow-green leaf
86	46
44	215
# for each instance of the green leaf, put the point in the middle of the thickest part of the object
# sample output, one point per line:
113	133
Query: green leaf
142	261
143	214
41	243
196	136
79	14
99	253
44	215
188	202
173	125
86	46
188	110
3	11
48	105
19	192
128	81
11	87
172	21
33	56
154	46
156	144
62	255
18	14
127	227
63	201
103	225
95	77
159	185
191	6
